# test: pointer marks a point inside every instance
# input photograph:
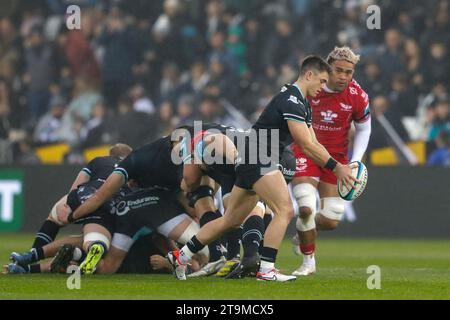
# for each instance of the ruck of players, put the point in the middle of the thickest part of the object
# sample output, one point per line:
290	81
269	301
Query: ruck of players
214	200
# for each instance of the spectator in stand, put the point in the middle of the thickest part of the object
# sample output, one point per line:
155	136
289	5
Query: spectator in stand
25	154
10	49
78	50
141	102
197	79
132	127
49	126
441	155
437	64
441	120
210	110
372	80
390	54
240	51
169	88
119	57
97	131
185	110
402	96
165	121
39	73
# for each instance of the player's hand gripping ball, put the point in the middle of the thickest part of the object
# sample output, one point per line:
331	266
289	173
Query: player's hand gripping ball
359	171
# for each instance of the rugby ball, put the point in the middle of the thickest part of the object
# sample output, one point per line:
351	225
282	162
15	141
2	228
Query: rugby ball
360	173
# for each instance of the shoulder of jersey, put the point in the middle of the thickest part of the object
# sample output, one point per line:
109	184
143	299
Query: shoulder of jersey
287	95
356	92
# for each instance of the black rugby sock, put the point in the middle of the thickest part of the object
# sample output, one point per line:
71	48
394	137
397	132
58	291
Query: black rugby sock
214	247
46	234
252	234
233	243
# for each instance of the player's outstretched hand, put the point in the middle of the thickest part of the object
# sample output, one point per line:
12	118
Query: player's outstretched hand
344	174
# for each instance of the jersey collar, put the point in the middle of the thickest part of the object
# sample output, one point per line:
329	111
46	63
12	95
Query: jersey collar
328	90
299	90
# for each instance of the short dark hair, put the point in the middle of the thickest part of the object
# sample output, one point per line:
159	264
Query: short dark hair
314	63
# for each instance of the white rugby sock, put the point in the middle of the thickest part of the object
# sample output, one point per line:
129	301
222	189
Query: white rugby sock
309	259
266	266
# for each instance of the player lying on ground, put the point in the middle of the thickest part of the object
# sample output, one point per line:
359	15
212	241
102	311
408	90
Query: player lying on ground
142	211
136	214
341	102
290	115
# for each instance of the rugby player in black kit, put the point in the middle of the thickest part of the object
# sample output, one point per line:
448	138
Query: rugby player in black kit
89	179
289	115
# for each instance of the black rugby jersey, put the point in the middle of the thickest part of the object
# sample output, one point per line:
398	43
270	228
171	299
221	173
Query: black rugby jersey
215	170
101	167
289	104
152	166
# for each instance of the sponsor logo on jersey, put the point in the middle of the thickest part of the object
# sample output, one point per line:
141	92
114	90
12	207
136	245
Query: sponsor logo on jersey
293	99
122	208
353	90
301	164
328	116
345	107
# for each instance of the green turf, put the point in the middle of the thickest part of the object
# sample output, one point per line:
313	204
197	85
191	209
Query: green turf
410	269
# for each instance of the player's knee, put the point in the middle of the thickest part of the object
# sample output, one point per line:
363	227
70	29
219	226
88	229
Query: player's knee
306	220
230	223
305	212
290	212
59	207
285	212
331	224
325	224
305	195
331	213
96	237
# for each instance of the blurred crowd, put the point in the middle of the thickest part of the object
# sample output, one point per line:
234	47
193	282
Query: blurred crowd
136	69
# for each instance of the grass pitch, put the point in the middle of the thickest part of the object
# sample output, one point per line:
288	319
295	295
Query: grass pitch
410	269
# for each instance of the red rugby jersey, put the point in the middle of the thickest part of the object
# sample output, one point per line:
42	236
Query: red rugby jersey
333	112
